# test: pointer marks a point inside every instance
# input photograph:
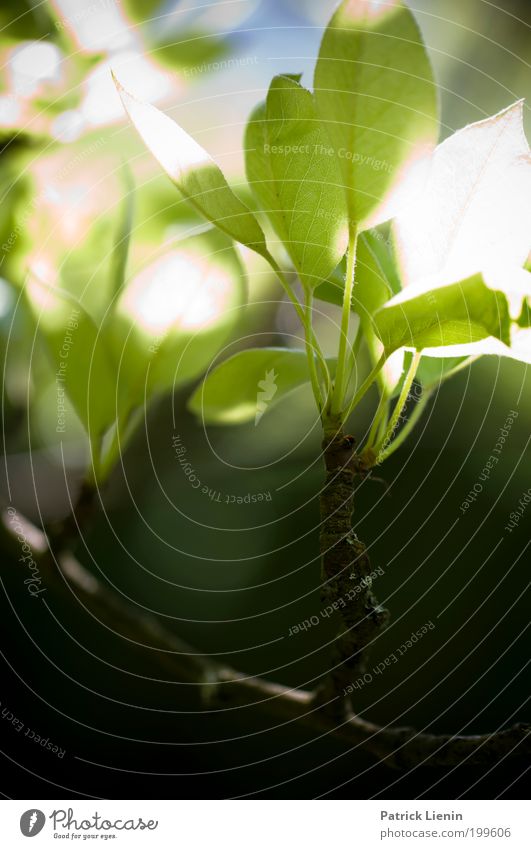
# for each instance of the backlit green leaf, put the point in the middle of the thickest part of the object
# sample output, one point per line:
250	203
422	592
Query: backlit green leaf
175	315
433	371
472	213
194	172
459	314
297	180
524	320
118	262
248	384
375	92
83	365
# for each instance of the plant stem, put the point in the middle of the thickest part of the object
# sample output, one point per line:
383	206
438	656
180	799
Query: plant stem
307	324
379	417
286	285
126	426
407	429
310	352
346	572
382	446
417	412
342	355
365	386
356	345
316	348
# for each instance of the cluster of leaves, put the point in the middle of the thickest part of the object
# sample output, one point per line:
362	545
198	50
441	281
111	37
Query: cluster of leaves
445	281
442	283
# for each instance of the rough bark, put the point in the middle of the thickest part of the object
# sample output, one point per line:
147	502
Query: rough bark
346	570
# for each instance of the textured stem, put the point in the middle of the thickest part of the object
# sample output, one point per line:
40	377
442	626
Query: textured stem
346	570
400	406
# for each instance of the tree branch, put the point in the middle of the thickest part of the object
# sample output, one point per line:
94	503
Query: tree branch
220	686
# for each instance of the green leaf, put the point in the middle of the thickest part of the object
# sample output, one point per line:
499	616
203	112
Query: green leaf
120	253
175	315
160	210
375	281
433	371
243	387
194	172
375	91
18	196
524	319
194	52
517	348
296	180
85	270
459	314
331	291
143	11
83	365
22	20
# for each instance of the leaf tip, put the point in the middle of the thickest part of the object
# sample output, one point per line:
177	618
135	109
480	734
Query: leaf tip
124	95
293	78
117	82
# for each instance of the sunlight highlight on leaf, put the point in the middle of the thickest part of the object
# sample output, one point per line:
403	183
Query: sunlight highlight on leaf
42	296
176	314
375	93
178	290
472	213
194	172
297	182
174	148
